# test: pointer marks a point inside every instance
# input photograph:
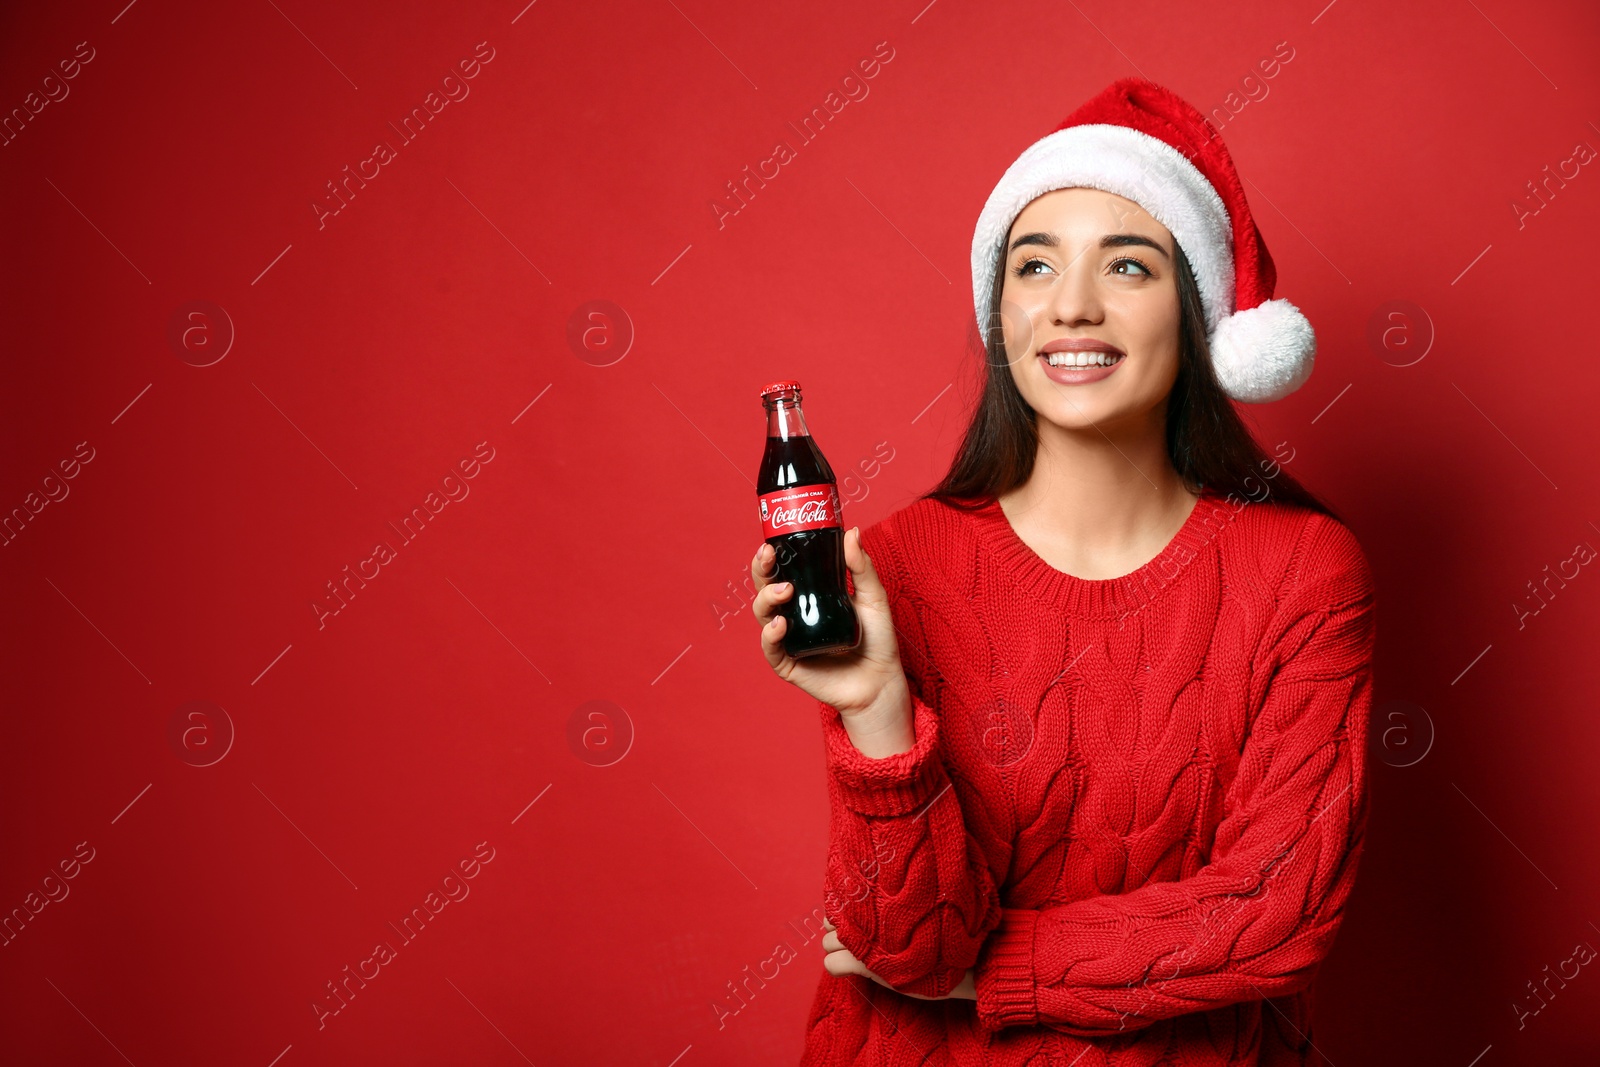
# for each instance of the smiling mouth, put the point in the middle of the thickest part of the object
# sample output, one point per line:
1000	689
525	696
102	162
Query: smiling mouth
1082	359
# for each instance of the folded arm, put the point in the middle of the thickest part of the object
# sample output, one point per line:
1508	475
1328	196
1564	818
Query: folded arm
1256	921
907	885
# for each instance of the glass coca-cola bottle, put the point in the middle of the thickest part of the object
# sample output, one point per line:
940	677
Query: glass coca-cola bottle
800	518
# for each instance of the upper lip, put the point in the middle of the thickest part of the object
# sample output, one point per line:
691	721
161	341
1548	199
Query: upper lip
1079	344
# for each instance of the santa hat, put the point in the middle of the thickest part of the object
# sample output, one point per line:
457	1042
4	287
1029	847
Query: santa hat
1143	142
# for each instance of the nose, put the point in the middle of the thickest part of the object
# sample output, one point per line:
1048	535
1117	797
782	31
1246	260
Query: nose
1075	298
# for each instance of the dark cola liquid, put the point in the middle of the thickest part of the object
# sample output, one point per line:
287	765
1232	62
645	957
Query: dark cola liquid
820	617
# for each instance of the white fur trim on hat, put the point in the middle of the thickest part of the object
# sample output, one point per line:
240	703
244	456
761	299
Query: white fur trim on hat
1121	160
1263	353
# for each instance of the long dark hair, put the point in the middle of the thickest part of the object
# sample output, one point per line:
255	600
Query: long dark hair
1209	445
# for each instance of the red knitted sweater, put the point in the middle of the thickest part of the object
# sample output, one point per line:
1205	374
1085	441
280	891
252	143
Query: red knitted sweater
1135	806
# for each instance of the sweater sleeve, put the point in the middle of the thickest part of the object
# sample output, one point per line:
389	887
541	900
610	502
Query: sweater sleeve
1258	919
906	882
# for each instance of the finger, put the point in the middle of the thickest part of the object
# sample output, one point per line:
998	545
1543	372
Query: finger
761	566
772	644
765	603
831	942
842	962
827	924
868	589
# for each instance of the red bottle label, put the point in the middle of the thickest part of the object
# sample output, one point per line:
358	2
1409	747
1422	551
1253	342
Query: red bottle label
803	507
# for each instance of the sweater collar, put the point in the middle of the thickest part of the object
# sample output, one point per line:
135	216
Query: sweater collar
1098	598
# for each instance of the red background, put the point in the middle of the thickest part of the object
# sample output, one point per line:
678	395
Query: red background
593	556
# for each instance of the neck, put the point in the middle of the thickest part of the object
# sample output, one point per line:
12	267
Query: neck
1098	492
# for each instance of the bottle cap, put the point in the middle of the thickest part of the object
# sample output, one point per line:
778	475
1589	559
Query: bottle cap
780	387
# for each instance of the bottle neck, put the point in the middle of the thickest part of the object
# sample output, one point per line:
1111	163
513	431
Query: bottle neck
786	420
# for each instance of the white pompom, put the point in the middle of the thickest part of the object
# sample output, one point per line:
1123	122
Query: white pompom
1263	353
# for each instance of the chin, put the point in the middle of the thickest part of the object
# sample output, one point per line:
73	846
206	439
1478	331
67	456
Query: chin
1085	408
1077	413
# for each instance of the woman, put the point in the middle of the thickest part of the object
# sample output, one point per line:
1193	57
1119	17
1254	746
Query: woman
1096	770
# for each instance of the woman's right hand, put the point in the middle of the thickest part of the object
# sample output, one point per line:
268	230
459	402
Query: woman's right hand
867	685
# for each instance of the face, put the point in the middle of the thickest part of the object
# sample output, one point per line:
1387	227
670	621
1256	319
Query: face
1087	265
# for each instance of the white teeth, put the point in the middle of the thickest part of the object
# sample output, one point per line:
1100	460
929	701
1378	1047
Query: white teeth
1082	359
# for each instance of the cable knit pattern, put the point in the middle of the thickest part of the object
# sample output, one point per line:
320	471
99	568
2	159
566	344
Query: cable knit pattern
1134	807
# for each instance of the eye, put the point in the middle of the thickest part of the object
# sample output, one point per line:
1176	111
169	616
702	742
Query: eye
1129	259
1021	269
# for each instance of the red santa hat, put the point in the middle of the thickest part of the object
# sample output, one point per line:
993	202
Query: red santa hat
1141	141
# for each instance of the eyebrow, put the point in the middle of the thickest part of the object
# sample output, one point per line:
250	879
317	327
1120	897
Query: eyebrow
1110	240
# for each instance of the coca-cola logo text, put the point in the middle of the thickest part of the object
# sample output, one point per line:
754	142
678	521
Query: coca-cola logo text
810	511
